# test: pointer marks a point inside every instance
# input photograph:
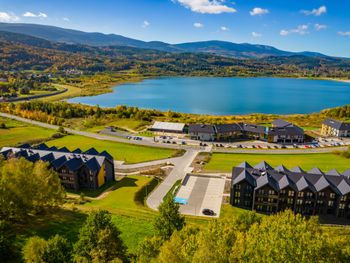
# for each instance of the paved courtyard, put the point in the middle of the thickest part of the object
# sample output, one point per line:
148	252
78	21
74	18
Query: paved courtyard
201	192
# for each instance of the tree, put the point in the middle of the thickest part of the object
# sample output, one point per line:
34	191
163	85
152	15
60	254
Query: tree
27	187
169	218
181	247
149	249
99	239
58	249
7	239
34	250
287	237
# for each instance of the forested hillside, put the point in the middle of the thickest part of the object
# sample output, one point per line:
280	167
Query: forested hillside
21	52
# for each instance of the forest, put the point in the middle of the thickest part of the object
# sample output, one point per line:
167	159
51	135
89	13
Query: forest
20	52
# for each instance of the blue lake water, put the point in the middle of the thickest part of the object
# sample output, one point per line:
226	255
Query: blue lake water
225	96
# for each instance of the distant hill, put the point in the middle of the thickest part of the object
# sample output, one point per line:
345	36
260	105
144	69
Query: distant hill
221	48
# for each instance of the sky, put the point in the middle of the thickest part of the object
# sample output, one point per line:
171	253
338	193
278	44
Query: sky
293	25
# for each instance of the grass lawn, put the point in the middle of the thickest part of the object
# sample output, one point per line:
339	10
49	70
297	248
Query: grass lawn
122	124
325	161
19	132
120	151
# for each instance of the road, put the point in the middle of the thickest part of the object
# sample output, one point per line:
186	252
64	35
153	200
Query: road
181	168
151	143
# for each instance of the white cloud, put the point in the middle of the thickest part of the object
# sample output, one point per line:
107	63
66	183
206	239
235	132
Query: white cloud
224	28
207	6
344	33
319	27
145	24
301	30
38	15
65	19
258	11
316	11
8	17
255	34
198	25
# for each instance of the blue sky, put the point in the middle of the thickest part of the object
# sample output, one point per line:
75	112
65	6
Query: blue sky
294	25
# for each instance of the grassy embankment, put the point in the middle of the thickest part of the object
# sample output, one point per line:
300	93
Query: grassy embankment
134	220
223	162
120	151
17	133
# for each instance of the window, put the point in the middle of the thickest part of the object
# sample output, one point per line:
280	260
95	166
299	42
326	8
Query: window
290	201
271	192
237	194
238	186
319	202
321	194
309	194
260	200
332	195
283	192
261	192
341	206
343	198
308	202
299	201
290	193
270	200
248	188
300	194
237	201
330	203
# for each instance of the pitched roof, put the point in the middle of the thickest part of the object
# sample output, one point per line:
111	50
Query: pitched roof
333	172
224	128
63	149
266	179
289	130
281	168
244	175
77	150
297	169
263	166
347	173
202	128
318	181
315	170
42	146
170	126
281	123
92	151
338	125
339	183
73	164
253	128
244	165
93	165
107	155
57	163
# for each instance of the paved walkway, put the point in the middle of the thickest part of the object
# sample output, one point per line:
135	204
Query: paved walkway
181	168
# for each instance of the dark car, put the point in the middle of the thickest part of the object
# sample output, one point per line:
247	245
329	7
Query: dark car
208	212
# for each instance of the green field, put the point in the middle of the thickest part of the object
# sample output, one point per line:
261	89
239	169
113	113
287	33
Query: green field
325	161
120	151
71	92
19	132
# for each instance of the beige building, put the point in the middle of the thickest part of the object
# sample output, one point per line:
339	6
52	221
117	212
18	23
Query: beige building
331	127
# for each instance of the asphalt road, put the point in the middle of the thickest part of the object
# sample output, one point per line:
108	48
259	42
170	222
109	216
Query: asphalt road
181	168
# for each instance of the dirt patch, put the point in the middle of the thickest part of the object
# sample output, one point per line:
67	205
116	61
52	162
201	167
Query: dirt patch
201	159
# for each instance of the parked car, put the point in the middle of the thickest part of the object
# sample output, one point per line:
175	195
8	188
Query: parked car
208	212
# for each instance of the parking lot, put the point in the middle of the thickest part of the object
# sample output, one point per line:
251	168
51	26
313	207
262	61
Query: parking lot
201	193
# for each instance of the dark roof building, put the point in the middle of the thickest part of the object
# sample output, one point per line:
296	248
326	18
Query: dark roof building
202	132
270	190
76	170
285	132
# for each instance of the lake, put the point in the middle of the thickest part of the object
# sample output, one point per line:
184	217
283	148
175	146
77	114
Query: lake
226	96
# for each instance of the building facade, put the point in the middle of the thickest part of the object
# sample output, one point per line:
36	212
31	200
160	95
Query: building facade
285	133
332	127
77	170
271	190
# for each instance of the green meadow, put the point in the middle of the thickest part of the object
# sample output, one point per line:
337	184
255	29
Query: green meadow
223	162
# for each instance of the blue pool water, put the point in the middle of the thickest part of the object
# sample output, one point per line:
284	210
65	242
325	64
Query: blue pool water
225	96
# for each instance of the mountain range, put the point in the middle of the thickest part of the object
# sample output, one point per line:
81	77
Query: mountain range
221	48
